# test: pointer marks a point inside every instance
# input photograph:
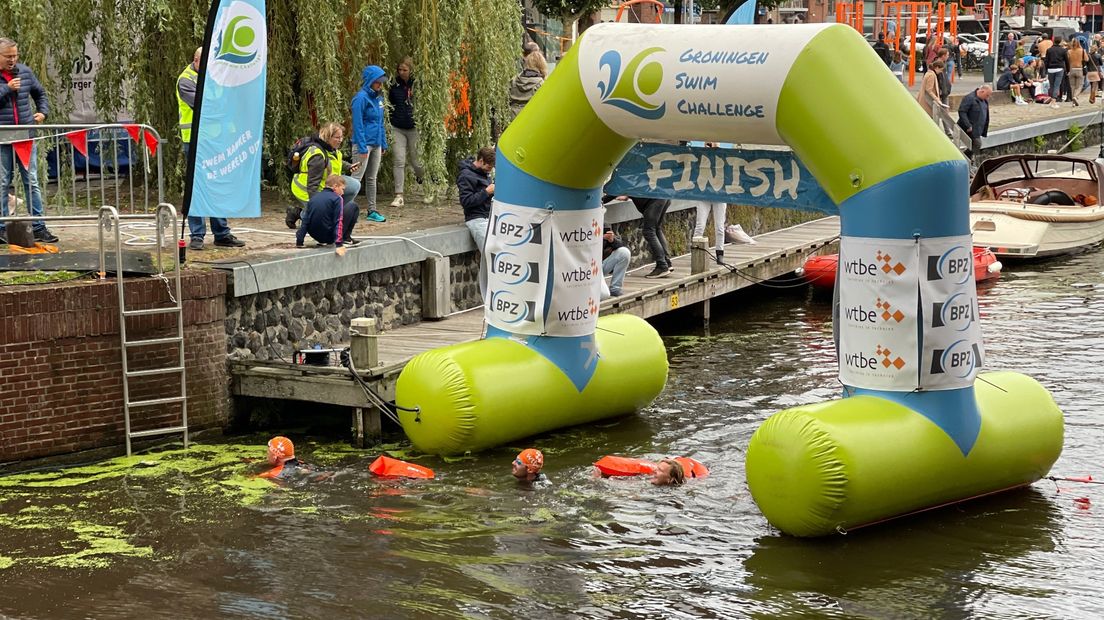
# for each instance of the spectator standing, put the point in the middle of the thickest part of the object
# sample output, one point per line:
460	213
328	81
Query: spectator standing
477	193
526	83
19	87
653	210
928	97
973	117
951	47
369	135
1078	58
1093	74
1044	44
403	130
185	99
1008	50
881	49
897	66
944	78
1057	64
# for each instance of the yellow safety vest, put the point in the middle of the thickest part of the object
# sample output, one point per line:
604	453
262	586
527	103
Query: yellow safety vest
185	126
299	181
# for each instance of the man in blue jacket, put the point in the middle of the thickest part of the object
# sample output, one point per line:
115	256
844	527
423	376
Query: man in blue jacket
477	193
369	136
18	87
329	219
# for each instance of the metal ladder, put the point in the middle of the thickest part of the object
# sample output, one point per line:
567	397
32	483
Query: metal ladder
163	217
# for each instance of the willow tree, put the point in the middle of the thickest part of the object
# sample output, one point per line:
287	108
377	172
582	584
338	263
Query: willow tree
316	53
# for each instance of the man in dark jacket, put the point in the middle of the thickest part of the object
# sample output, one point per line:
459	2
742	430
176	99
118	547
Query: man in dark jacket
882	50
477	193
328	218
18	87
973	117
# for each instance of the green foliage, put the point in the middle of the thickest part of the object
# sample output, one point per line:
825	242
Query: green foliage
569	10
316	53
1039	142
1077	141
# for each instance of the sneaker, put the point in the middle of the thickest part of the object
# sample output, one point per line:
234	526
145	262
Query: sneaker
615	292
398	201
351	242
660	271
429	197
229	241
376	216
292	216
44	235
670	268
1021	102
196	244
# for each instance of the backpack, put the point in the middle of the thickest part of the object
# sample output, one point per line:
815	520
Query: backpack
296	151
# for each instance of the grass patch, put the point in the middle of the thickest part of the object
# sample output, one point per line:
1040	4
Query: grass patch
9	278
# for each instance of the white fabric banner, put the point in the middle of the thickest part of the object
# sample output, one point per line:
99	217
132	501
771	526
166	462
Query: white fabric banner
953	350
516	251
704	82
878	346
577	272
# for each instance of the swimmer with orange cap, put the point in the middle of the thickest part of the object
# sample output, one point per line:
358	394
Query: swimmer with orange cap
527	467
281	455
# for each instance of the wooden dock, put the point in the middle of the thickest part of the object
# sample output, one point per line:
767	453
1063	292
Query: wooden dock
774	254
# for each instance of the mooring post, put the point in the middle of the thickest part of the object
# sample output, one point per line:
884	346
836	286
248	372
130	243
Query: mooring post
364	343
367	426
699	255
436	287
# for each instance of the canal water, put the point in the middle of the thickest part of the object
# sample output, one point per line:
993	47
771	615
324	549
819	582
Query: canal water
192	534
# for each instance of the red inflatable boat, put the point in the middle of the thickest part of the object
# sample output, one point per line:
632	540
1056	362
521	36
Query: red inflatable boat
820	271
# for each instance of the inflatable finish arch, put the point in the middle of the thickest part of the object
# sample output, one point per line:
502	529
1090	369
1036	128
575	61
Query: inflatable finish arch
910	342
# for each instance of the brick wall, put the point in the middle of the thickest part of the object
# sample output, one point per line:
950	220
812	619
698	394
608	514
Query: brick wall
61	384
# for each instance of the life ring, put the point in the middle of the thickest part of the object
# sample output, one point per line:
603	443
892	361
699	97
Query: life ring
618	466
387	466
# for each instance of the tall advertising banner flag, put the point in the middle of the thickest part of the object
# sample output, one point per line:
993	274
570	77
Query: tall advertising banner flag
223	177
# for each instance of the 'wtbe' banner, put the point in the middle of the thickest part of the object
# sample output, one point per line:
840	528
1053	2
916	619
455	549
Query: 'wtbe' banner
878	346
759	177
224	176
517	255
576	273
953	350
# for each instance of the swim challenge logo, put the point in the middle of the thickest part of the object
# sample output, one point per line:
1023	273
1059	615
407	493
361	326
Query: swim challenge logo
241	46
629	90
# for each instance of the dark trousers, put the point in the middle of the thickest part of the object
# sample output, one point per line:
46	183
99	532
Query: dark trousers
653	232
325	234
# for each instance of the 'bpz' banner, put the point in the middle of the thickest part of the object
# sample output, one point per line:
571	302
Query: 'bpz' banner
760	178
517	247
229	121
953	350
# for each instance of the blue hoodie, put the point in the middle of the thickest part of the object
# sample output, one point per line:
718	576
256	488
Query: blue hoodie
368	113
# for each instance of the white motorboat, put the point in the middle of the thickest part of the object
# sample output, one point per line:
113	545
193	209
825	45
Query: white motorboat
1034	206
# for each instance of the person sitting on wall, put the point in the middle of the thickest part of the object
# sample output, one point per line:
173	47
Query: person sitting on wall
615	263
477	193
1012	81
328	218
527	467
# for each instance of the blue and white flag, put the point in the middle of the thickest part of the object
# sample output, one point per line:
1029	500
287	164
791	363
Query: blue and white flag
224	176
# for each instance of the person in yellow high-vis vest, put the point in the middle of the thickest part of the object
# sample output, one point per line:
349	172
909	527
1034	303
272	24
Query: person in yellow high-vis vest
316	163
185	100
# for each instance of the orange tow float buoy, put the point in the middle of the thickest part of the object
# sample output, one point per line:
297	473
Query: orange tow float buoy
617	466
692	468
387	466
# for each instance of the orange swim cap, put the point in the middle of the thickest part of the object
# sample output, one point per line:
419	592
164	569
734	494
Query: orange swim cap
280	449
532	459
